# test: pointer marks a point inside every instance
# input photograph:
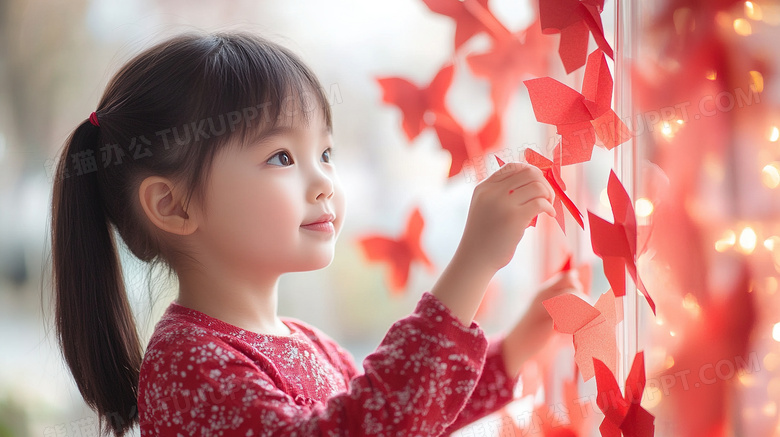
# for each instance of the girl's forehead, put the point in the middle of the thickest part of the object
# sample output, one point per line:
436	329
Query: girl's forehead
301	112
300	121
296	114
265	136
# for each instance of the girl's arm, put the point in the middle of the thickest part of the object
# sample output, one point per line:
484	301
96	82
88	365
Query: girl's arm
502	206
507	352
535	327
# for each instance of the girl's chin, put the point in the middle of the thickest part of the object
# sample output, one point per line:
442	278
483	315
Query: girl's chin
316	261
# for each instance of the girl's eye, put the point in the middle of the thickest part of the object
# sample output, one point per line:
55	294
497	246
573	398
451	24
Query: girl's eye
283	159
326	154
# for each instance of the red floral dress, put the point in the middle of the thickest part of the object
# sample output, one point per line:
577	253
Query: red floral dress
429	376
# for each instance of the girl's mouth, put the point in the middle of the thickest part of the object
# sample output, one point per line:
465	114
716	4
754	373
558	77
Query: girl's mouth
320	227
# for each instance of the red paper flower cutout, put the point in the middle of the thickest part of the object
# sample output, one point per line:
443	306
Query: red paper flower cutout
420	106
615	243
624	414
574	19
398	253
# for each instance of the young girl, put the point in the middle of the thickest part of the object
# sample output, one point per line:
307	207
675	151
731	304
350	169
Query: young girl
211	154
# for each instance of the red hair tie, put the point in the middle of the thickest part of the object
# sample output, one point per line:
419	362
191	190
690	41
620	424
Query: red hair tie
93	119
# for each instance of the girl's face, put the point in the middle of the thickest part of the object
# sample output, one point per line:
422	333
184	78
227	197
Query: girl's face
260	199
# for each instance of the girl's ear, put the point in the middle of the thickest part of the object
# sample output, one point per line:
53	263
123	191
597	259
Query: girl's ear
163	205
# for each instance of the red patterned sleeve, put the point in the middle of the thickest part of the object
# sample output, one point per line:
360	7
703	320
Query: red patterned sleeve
494	390
415	384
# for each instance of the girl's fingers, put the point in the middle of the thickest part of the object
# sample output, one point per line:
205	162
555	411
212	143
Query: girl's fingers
522	179
535	195
530	190
546	207
538	205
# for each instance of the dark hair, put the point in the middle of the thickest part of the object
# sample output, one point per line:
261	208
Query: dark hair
170	109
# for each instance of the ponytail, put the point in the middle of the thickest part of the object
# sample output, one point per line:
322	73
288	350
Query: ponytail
95	325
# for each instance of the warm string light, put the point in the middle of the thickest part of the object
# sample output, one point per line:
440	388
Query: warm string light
666	129
753	11
747	240
644	207
746	379
757	80
726	241
652	397
770	175
691	304
774	134
670	127
742	27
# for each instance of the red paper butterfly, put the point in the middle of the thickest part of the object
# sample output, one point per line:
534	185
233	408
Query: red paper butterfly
464	145
574	19
509	59
471	17
623	413
579	118
398	253
615	243
592	328
420	106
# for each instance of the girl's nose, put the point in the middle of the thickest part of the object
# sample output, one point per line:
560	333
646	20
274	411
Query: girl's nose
321	186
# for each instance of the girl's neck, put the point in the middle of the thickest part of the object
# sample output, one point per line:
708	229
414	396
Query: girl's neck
253	308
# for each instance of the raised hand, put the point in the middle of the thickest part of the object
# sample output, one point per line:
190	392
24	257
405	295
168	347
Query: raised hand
501	208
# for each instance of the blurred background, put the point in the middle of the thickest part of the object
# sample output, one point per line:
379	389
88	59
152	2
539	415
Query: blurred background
56	57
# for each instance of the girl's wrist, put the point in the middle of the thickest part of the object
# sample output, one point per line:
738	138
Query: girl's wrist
471	257
462	285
